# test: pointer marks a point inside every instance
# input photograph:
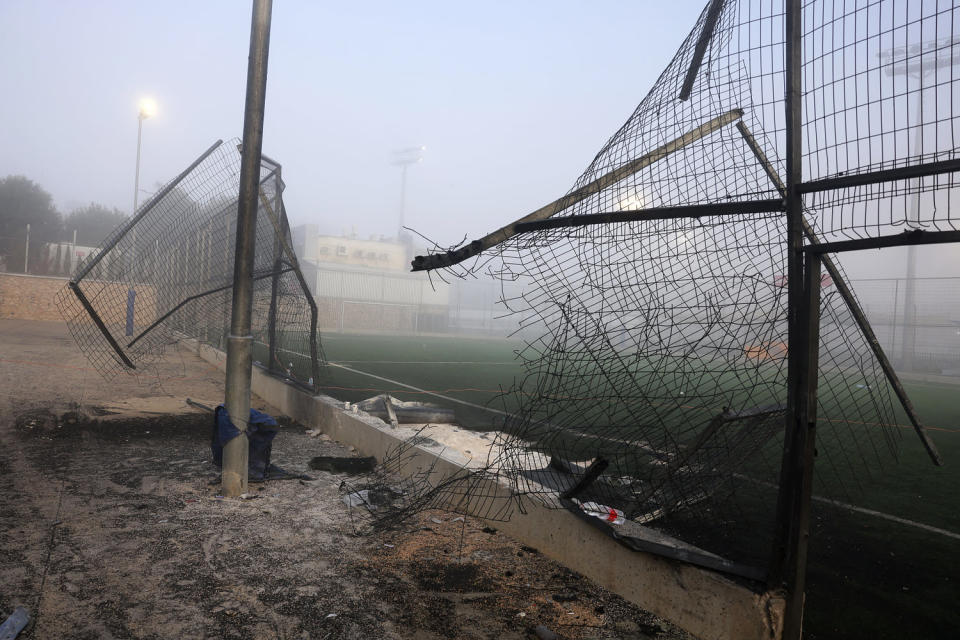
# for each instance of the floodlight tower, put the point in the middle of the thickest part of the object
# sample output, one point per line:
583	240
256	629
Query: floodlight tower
148	109
918	62
403	158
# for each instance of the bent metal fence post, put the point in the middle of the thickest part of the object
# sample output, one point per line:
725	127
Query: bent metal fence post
176	256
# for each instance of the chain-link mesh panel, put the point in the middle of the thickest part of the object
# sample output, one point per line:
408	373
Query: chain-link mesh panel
656	349
168	274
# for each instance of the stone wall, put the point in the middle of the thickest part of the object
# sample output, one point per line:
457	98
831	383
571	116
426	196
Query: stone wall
35	298
29	297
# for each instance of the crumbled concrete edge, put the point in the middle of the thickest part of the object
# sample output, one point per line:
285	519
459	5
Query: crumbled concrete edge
702	602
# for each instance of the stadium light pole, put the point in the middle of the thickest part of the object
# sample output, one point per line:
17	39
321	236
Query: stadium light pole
148	108
239	343
403	158
902	61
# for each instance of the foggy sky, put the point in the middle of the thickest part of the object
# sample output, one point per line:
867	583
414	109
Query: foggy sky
511	99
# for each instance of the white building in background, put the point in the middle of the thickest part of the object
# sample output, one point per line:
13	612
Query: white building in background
365	284
375	252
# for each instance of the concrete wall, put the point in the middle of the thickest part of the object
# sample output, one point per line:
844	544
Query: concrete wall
34	298
707	604
29	297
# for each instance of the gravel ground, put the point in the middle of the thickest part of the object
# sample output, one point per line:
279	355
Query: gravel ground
111	527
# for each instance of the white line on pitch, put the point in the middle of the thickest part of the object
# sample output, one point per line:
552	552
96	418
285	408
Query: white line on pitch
422	362
835	503
868	512
887	516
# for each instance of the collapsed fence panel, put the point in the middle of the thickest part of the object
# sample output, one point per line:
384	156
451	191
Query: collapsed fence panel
657	381
168	273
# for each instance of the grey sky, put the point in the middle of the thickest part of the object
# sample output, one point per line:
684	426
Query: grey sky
512	99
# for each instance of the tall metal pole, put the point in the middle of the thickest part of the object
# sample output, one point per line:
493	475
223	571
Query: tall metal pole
788	566
403	197
404	158
909	292
26	249
136	180
239	342
142	114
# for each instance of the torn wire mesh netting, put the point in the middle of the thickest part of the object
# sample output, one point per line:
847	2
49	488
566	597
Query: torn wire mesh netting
653	296
410	479
167	274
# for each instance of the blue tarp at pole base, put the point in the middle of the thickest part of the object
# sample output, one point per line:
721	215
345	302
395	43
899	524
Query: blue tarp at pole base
261	431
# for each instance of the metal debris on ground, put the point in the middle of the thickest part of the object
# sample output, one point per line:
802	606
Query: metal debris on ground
394	411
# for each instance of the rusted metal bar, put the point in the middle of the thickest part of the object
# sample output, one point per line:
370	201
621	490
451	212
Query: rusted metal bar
190	299
100	325
656	213
788	566
884	175
800	466
846	293
440	260
706	35
907	238
281	225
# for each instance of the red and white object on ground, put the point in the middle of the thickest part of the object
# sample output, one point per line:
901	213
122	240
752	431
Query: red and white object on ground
610	515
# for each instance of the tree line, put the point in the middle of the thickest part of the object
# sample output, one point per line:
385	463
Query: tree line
23	202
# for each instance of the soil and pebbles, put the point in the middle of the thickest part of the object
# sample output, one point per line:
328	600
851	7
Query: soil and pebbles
111	526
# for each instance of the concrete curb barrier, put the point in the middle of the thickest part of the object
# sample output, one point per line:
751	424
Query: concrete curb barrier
707	604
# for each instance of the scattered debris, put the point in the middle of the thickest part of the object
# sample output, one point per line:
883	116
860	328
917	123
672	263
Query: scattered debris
424	441
607	514
391	414
339	464
372	499
383	406
194	403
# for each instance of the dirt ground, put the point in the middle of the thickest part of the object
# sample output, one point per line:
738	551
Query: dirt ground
111	527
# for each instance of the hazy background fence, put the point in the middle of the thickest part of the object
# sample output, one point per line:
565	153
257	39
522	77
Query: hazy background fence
916	321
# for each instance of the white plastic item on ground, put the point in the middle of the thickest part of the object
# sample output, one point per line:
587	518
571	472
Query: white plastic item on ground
609	515
357	498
